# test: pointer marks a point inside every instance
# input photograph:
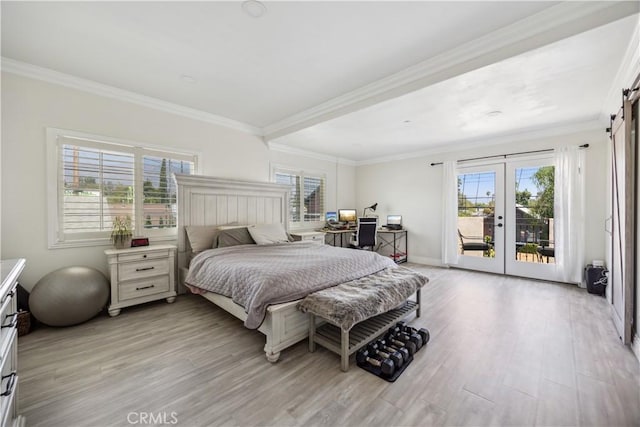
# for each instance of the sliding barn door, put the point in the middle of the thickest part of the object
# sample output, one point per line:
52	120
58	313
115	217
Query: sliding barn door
622	274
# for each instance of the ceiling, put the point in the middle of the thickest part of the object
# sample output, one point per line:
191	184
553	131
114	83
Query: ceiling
355	80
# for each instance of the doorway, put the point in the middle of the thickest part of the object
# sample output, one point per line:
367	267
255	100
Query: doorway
505	217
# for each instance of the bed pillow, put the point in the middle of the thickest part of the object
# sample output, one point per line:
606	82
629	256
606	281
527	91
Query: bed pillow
268	234
201	237
234	236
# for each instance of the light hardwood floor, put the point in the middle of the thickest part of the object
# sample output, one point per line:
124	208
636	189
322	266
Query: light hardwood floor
504	351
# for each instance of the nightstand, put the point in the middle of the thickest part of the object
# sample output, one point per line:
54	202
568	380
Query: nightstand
309	236
140	275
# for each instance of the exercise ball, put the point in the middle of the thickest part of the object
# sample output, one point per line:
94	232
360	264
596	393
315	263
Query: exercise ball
69	296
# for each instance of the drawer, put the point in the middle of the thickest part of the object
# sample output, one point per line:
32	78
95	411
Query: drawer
9	384
142	269
8	319
141	256
314	238
142	288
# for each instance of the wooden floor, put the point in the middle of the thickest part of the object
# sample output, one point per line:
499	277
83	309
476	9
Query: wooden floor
503	351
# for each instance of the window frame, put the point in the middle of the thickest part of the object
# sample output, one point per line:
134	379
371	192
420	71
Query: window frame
57	239
302	173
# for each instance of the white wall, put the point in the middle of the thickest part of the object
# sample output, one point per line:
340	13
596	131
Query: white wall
29	106
413	189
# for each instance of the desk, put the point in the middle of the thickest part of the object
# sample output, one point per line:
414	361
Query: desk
391	243
336	233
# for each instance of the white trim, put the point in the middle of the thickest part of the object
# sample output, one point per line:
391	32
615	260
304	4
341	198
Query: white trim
635	346
552	24
274	146
40	73
628	70
434	262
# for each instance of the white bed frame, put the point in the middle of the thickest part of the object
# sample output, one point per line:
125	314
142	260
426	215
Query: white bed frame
204	200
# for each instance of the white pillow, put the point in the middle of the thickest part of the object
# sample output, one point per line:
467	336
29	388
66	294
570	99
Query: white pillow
267	234
201	237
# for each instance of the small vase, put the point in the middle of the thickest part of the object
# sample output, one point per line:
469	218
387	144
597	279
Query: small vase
123	243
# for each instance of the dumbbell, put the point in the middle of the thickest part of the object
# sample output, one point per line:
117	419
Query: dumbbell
402	351
387	367
395	357
405	327
424	333
410	346
406	336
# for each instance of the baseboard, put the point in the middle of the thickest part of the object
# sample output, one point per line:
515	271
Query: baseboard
635	346
434	262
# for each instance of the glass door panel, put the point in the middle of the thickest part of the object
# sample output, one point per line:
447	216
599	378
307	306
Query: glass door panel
530	229
480	218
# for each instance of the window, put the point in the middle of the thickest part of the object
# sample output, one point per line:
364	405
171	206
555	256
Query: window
93	179
306	203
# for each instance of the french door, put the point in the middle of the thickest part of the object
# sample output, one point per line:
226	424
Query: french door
506	219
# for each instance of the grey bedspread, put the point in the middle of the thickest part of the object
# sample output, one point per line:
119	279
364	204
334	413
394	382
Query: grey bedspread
256	276
360	299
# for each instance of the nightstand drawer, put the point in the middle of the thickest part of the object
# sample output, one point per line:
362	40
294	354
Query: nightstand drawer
141	256
138	270
309	236
315	238
141	288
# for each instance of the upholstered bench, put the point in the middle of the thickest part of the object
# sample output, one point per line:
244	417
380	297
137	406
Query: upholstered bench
358	311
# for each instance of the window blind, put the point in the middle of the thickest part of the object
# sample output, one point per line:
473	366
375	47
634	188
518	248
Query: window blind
307	197
97	181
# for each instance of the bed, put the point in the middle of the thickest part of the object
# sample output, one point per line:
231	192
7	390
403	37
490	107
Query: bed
206	205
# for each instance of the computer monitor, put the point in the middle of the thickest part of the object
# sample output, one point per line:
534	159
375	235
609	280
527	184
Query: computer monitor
394	222
331	217
347	215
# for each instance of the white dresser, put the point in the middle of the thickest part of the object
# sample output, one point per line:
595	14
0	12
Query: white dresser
309	236
11	270
140	275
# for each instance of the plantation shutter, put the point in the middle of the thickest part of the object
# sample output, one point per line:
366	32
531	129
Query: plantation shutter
96	184
307	193
293	181
313	198
159	189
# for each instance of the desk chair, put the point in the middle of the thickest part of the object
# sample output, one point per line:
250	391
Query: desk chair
366	235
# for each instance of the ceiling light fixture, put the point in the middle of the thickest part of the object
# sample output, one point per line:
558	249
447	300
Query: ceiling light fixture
187	78
494	113
254	8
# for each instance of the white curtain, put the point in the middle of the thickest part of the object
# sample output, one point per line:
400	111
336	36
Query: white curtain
449	213
569	213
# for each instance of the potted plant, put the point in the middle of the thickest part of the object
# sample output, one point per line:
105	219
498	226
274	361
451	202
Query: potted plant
121	233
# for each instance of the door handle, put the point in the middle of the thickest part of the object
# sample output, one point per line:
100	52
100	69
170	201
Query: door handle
499	224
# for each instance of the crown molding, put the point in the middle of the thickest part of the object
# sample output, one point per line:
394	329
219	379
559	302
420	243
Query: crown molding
499	139
273	146
45	74
550	25
627	72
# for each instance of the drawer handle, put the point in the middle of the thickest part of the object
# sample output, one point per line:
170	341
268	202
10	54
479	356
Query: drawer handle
145	268
144	256
14	321
145	287
10	384
7	296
